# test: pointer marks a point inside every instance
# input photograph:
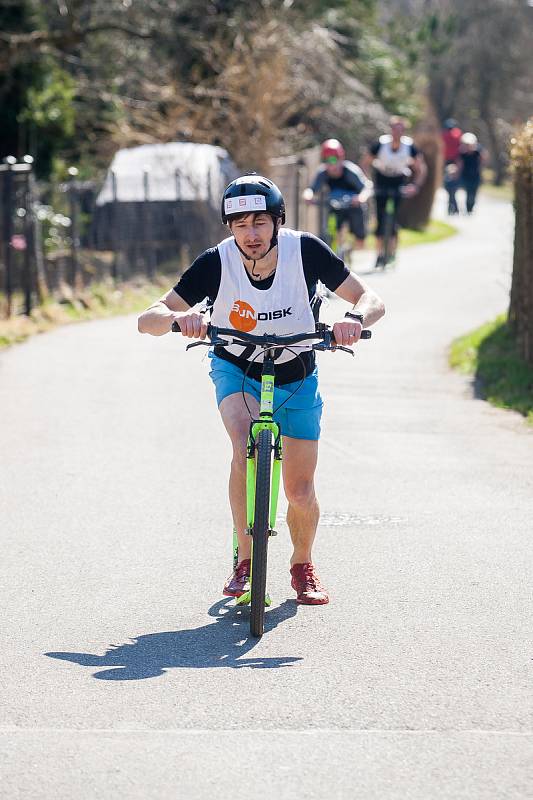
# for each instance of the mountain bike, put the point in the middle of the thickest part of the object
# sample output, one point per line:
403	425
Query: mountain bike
388	254
332	206
264	449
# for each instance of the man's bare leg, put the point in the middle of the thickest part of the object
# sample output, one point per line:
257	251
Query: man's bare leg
237	423
300	458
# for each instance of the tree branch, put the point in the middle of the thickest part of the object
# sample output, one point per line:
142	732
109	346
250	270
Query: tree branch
67	38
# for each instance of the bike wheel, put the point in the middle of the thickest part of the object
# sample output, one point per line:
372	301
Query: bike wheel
260	534
387	239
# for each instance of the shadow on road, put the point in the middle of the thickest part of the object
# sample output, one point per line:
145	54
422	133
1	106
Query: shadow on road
215	645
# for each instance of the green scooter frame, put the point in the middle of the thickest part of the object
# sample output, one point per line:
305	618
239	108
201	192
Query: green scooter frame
265	422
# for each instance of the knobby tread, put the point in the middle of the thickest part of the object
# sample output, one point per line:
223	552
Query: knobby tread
389	223
260	532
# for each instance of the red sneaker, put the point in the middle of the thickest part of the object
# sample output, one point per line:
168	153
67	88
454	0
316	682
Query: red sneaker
306	583
239	581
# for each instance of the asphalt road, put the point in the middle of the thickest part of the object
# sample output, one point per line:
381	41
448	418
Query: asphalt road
125	675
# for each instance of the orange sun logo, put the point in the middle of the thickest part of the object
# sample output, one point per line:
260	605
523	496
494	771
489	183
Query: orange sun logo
242	316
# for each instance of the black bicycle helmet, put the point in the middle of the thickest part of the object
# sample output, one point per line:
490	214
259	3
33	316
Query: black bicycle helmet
251	193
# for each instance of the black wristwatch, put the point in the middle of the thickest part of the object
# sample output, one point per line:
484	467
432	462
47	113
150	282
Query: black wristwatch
358	317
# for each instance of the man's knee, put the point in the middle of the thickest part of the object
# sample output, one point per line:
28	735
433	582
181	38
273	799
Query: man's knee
300	492
239	439
238	461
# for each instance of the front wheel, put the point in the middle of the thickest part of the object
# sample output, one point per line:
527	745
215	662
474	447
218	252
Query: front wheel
389	231
260	531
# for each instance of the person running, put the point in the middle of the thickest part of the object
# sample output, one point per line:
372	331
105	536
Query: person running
451	140
470	161
348	191
263	277
399	170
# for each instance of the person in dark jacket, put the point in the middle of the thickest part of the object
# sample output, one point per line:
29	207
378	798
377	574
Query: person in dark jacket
469	162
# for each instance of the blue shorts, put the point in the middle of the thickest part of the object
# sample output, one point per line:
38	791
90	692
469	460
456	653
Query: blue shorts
299	417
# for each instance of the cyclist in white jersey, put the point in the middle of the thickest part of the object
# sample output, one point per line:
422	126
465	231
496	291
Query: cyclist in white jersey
398	171
263	277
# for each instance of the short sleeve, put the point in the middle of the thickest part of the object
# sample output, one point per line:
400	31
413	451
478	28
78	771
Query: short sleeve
321	263
201	279
354	176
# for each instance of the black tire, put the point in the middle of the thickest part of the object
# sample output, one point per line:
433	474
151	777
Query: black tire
260	532
389	223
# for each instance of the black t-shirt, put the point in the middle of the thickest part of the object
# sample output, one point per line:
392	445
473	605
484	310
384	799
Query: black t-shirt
351	180
201	282
470	165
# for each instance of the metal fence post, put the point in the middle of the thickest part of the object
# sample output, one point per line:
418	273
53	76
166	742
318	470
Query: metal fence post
74	239
114	226
37	244
147	226
297	196
9	161
176	215
28	236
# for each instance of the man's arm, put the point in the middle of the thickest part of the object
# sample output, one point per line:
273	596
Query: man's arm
201	280
366	193
420	170
368	158
158	318
365	302
361	184
316	186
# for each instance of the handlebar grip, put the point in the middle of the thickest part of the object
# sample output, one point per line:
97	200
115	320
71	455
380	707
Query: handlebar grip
176	328
365	334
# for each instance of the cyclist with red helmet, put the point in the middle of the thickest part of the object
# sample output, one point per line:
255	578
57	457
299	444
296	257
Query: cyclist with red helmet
264	278
348	190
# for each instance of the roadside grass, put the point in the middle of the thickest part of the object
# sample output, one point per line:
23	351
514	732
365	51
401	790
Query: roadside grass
97	301
491	355
503	192
434	232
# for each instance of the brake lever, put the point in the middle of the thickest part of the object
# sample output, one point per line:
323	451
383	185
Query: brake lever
323	347
212	343
341	347
197	344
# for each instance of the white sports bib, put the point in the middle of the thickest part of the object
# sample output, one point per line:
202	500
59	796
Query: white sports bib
393	163
284	309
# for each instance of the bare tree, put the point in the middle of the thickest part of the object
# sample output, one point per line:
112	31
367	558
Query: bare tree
477	57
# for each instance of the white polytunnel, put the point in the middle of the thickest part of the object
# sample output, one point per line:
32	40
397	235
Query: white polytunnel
167	172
